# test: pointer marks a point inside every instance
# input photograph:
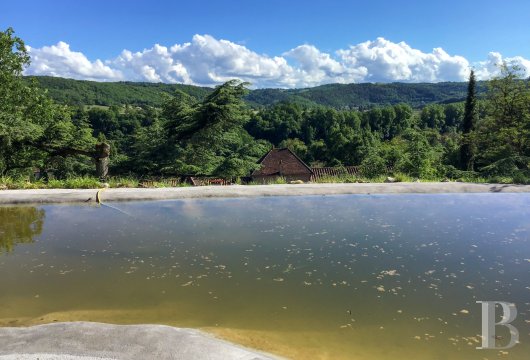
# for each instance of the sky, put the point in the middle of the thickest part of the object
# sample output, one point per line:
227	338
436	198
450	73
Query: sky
286	44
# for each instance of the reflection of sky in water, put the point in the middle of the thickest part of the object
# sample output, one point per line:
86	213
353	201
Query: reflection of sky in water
412	264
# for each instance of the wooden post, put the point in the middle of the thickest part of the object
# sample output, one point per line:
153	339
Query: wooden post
102	160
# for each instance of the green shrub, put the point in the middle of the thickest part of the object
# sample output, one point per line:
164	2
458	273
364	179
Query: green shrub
373	165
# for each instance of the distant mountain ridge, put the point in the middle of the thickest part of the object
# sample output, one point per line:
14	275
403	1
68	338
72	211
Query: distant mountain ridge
340	96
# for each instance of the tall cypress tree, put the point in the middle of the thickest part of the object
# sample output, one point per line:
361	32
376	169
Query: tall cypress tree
470	119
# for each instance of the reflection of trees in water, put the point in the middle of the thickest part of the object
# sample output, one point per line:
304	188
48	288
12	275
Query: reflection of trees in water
19	225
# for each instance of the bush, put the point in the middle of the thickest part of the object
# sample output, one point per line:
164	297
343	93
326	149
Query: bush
373	165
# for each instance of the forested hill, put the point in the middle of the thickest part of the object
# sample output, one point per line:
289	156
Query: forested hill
368	95
340	96
81	92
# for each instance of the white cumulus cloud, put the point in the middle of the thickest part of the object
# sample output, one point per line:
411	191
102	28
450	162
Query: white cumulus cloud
490	67
203	61
387	61
208	61
59	60
316	68
151	65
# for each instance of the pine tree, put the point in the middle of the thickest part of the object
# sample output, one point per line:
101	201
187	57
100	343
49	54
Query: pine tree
470	119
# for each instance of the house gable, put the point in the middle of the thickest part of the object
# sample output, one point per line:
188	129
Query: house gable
281	162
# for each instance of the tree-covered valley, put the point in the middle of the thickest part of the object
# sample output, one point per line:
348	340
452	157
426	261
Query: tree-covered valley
468	131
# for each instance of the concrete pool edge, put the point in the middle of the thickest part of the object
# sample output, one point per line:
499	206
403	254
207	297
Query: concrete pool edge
83	340
137	194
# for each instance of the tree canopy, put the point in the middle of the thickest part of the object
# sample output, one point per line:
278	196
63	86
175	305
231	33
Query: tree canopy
34	131
503	135
205	137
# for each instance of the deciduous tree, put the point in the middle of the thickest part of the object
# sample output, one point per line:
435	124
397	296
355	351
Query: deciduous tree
33	130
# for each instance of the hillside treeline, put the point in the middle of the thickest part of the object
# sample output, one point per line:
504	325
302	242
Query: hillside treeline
338	96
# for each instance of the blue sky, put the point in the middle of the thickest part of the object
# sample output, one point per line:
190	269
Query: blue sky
102	29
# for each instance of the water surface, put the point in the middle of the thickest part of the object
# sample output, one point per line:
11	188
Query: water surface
320	277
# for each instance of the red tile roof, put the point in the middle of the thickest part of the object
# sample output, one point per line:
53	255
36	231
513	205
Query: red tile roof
281	162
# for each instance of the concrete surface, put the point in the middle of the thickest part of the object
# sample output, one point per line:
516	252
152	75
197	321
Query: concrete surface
89	195
86	341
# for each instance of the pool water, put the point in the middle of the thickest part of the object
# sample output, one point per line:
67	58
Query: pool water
313	277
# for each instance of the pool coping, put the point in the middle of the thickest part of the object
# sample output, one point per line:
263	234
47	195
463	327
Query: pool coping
91	340
40	196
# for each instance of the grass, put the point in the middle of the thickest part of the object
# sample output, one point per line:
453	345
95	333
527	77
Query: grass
82	182
74	183
86	182
398	177
71	183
